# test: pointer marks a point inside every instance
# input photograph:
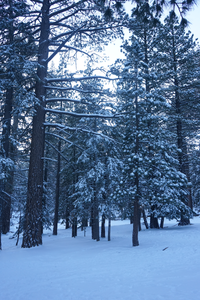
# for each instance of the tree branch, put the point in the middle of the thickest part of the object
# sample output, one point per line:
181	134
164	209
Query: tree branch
78	115
78	78
56	150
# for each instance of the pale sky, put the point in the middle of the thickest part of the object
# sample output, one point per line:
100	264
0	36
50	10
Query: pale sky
193	16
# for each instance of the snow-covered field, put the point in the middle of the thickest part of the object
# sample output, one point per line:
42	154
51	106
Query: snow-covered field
83	269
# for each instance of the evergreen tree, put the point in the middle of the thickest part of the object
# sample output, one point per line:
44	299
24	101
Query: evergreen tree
81	23
15	67
151	177
179	71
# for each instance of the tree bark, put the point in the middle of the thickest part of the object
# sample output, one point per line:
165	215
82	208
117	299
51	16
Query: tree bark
103	230
145	219
67	214
109	229
6	144
154	222
135	240
33	217
74	227
95	218
162	222
55	223
180	141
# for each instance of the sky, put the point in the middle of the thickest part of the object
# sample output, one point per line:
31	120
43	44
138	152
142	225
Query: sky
193	16
112	51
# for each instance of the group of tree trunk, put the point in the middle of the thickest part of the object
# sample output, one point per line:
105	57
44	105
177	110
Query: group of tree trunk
112	154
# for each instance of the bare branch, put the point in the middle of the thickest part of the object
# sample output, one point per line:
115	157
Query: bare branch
56	150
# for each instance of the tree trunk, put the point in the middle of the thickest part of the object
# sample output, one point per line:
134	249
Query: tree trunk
33	217
103	230
95	223
74	227
6	144
55	223
109	229
145	219
67	218
135	241
154	222
84	223
162	222
0	213
139	220
180	141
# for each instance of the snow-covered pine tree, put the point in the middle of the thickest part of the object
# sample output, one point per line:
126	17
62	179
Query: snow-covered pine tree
15	79
151	178
97	165
179	70
63	26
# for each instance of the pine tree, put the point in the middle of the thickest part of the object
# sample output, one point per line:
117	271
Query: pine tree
151	177
179	71
14	54
77	23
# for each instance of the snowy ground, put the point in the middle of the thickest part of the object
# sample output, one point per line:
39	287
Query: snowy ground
83	269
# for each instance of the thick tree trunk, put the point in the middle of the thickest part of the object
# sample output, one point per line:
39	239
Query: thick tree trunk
32	232
154	222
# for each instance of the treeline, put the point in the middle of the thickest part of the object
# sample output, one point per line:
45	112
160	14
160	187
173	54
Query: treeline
76	151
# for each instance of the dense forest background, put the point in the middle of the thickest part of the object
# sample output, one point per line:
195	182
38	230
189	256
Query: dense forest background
104	142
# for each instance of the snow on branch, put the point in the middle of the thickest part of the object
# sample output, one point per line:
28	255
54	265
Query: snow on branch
59	137
62	45
47	158
79	78
79	129
71	48
62	138
74	89
78	115
62	99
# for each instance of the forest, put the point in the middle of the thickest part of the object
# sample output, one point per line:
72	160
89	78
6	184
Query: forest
81	147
